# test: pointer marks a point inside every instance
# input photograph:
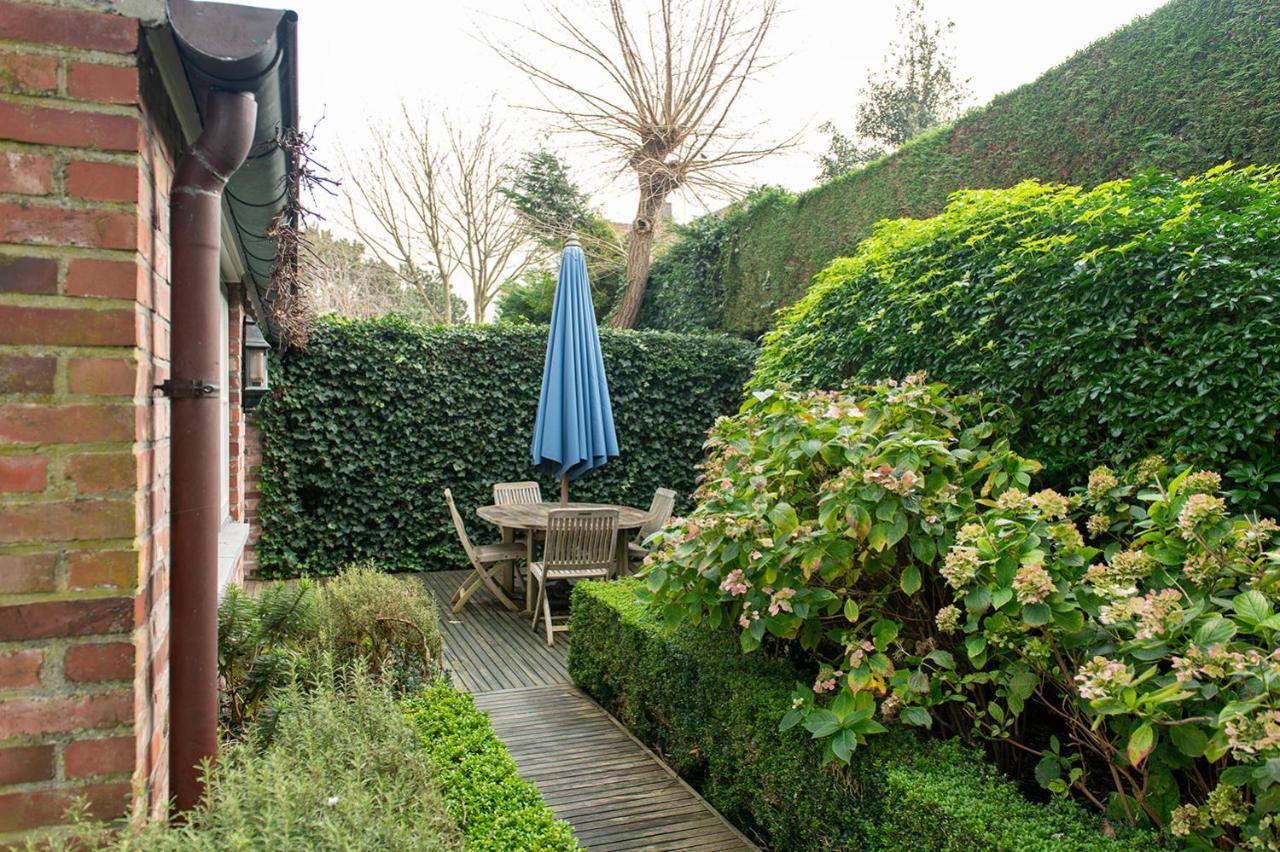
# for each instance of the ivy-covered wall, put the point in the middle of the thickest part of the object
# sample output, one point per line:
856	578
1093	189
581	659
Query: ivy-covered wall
1188	87
367	427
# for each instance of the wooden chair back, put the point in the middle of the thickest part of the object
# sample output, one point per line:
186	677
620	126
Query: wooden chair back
580	539
458	525
664	503
510	493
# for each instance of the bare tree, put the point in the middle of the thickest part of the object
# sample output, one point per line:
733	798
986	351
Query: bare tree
426	200
657	97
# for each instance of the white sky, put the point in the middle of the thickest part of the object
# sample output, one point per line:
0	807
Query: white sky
360	60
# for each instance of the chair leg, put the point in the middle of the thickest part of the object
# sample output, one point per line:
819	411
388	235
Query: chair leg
546	610
537	608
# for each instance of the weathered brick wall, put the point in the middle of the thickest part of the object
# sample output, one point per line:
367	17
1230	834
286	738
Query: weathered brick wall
253	475
84	446
235	335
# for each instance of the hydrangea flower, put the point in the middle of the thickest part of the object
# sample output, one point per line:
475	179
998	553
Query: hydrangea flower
1033	584
1014	500
1102	678
1051	504
1066	535
1202	482
960	566
1199	510
735	583
948	618
1102	480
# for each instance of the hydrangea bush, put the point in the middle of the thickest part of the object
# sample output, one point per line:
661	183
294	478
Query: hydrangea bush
1122	637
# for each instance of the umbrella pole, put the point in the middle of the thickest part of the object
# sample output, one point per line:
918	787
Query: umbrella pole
564	489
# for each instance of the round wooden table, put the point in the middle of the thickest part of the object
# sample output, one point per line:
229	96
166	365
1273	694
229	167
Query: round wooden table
532	518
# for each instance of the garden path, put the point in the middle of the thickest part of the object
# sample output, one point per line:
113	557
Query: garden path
616	793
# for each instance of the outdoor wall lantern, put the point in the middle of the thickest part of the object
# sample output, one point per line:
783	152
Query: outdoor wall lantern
255	364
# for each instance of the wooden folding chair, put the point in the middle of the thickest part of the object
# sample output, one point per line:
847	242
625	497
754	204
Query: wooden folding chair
509	493
581	544
664	503
484	559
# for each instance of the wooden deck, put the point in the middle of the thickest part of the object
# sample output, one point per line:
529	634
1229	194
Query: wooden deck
615	793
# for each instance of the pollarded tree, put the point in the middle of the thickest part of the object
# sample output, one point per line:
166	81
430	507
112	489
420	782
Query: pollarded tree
915	91
655	91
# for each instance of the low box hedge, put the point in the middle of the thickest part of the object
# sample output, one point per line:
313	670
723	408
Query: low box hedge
495	808
713	712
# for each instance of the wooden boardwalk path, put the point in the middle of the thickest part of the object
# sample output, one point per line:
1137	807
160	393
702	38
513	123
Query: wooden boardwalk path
617	794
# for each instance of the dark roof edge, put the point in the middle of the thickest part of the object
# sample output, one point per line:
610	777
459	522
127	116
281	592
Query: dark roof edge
247	49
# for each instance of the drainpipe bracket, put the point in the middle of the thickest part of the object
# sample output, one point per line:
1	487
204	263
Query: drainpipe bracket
188	388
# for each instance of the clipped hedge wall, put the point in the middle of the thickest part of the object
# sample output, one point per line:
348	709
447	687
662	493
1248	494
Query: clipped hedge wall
368	426
1186	88
1142	316
713	713
494	807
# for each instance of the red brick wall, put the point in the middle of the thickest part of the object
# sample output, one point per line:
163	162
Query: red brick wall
253	474
84	446
235	336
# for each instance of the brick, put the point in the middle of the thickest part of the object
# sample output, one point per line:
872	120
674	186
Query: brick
66	424
68	128
112	279
23	474
107	569
81	520
65	618
94	473
25	174
26	764
41	225
68	326
110	84
107	756
69	27
28	275
99	661
27	374
102	181
20	669
23	73
25	811
29	573
102	376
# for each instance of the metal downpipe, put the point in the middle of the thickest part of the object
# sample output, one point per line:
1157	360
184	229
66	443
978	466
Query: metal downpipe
196	216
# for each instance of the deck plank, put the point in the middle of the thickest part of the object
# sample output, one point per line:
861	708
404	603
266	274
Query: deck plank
616	793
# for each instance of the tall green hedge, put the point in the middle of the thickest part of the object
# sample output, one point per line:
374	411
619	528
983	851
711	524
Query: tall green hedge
368	426
713	713
1190	86
1142	316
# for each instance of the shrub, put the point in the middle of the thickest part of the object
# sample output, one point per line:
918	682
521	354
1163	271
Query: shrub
1188	87
376	418
387	623
496	808
344	771
713	713
881	540
261	645
1140	317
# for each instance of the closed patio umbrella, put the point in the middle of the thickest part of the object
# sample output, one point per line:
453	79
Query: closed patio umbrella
574	430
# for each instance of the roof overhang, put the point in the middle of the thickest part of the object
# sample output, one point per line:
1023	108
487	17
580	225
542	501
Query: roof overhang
201	46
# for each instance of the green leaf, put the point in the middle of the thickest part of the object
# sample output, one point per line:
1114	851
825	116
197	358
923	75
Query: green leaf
1140	743
821	723
1188	739
917	716
883	632
910	580
1252	607
1048	770
843	744
850	609
1215	630
1036	614
923	548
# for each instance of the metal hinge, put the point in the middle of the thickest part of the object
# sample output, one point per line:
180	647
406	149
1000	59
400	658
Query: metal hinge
188	388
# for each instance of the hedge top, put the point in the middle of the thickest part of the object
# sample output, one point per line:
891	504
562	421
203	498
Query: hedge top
1188	87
